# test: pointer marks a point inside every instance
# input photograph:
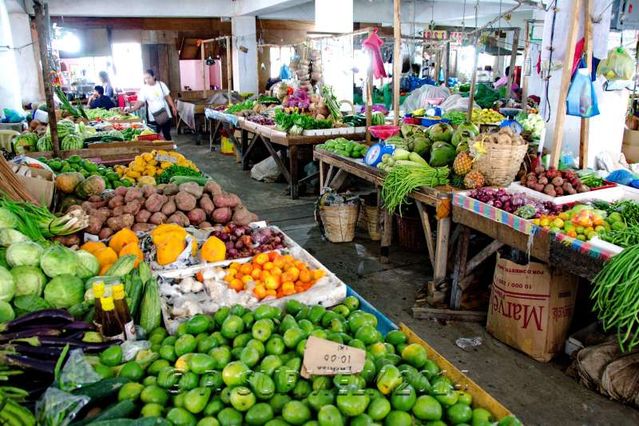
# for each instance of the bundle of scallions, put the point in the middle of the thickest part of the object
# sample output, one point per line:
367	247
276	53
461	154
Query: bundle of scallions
38	223
616	297
404	179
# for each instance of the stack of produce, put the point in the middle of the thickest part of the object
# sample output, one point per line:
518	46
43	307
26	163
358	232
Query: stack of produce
582	222
486	116
272	275
516	203
145	167
623	217
401	157
344	147
123	243
101	114
407	177
11	399
26	142
244	241
86	168
554	182
245	370
295	123
142	209
239	107
168	174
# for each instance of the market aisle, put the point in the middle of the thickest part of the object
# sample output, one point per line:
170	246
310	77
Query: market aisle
540	394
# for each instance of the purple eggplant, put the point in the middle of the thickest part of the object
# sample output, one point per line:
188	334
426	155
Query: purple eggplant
87	346
28	363
42	317
23	334
46	352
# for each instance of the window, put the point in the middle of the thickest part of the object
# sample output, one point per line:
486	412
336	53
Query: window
279	56
127	61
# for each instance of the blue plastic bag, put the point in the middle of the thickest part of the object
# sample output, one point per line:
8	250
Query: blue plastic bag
581	100
285	72
621	176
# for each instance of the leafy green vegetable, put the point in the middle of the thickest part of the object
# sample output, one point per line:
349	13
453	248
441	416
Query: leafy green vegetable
10	236
24	253
29	303
58	260
64	291
88	265
176	170
8	219
6	312
287	121
240	107
402	180
7	285
30	280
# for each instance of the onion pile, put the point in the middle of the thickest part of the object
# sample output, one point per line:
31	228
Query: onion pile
244	241
512	202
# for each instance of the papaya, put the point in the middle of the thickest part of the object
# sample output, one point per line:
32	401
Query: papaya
67	182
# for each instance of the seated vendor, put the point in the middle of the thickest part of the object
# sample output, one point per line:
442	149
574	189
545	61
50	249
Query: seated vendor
99	100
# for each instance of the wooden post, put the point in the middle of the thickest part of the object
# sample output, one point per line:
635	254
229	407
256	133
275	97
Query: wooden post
397	59
369	96
584	134
40	10
513	60
524	71
471	96
447	74
229	70
203	66
566	73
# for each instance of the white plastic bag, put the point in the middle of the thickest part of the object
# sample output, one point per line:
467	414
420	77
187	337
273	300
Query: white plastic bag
266	170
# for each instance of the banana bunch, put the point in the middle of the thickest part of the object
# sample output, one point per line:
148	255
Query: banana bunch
486	116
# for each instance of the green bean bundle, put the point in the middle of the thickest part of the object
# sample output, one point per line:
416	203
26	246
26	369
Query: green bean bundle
616	297
626	237
404	179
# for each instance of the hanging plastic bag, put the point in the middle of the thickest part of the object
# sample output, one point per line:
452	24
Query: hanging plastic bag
285	72
618	65
582	100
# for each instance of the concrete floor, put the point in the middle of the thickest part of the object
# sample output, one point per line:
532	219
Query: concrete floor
539	394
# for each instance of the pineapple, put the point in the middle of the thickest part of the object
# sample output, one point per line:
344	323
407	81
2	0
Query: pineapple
463	163
473	179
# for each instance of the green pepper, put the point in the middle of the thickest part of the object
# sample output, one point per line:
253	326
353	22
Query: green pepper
196	399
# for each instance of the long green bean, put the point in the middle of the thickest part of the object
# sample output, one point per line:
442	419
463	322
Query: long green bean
402	180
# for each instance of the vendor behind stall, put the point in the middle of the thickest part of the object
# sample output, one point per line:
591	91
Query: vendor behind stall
99	100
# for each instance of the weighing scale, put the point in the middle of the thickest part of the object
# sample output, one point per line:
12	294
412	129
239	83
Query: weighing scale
511	113
377	150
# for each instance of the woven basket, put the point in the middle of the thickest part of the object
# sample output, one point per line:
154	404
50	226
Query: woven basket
372	222
410	233
500	163
339	222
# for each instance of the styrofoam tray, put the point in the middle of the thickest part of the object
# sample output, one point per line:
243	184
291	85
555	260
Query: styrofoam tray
605	245
606	194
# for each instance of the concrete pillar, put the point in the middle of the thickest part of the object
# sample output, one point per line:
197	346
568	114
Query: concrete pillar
10	91
244	54
606	129
25	57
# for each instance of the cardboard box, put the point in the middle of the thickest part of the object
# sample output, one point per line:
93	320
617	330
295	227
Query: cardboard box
531	307
40	184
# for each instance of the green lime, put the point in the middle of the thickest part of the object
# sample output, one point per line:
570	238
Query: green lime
154	394
259	414
257	345
198	323
481	417
221	340
398	418
341	310
403	397
293	336
415	355
208	421
296	413
368	334
396	337
262	385
509	421
221	355
130	391
185	344
241	340
104	371
206	344
262	329
321	382
319	398
352	303
181	330
459	413
250	356
248	319
362	420
201	363
430	369
329	415
465	398
278	402
150	380
156	366
188	381
302	389
181	417
196	399
378	408
229	417
213	407
242	398
275	345
212	380
269	364
427	408
152	410
111	356
221	314
132	371
352	404
169	340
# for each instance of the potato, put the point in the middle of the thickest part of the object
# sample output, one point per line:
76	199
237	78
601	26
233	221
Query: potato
87	206
105	233
185	201
157	218
154	202
205	225
133	194
95	224
226	200
133	207
192	188
212	188
207	204
128	220
142	216
143	227
118	222
121	191
116	201
149	190
196	216
170	189
68	240
178	218
242	217
95	199
118	211
104	212
222	215
169	207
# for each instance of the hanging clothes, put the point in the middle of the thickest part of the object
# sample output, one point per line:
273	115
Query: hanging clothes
373	45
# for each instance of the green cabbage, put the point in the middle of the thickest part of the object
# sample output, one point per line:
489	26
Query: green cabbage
7	219
64	291
10	236
58	260
6	312
7	285
29	280
30	303
3	258
88	265
24	253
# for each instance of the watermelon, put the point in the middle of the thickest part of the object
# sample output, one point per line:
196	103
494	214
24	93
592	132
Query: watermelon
65	128
25	142
116	134
72	142
44	144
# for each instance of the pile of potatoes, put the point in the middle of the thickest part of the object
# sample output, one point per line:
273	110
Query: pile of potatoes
141	209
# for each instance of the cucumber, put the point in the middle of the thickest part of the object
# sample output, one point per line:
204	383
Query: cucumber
122	266
200	180
102	389
119	410
415	157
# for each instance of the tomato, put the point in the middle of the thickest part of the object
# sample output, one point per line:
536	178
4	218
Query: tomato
262	329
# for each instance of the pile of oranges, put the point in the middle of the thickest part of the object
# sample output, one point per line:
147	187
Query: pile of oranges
273	274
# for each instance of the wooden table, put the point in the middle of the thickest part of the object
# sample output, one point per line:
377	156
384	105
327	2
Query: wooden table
335	168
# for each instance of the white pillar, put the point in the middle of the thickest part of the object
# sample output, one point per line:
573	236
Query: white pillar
10	92
244	54
606	129
25	58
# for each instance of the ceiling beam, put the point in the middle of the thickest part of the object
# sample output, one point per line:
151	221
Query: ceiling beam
262	7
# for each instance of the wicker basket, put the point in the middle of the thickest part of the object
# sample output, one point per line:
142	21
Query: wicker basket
410	233
500	163
339	222
372	222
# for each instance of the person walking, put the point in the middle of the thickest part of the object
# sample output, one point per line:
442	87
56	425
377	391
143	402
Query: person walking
160	108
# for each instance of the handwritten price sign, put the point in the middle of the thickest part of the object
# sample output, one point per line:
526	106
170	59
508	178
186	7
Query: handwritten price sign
325	358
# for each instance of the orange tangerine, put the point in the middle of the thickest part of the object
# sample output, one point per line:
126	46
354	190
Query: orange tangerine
259	291
279	262
237	285
234	265
247	279
264	274
288	288
276	271
272	255
272	282
256	274
288	258
267	266
317	274
271	293
294	273
261	258
299	264
306	276
246	268
239	275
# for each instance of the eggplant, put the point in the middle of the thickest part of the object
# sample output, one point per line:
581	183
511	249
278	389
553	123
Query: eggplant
48	352
39	317
27	363
33	332
87	346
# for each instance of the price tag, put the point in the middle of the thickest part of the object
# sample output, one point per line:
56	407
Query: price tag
326	358
168	158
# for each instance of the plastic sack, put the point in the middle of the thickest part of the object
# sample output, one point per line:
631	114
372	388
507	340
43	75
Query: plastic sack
621	176
582	100
618	65
77	372
285	72
266	170
130	349
58	408
13	116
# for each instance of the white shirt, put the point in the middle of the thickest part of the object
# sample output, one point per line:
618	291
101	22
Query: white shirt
155	97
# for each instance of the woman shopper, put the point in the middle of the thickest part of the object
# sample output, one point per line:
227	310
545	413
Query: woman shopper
160	109
106	84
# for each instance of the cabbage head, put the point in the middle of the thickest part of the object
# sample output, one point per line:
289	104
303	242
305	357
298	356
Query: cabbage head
29	280
88	265
9	236
6	312
25	304
7	218
64	291
24	253
58	260
7	285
